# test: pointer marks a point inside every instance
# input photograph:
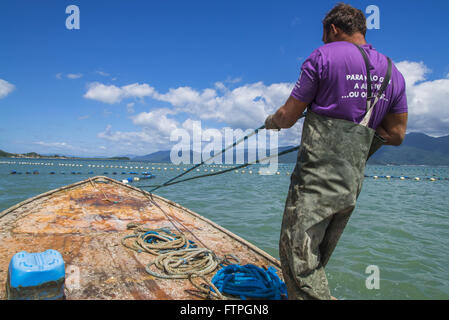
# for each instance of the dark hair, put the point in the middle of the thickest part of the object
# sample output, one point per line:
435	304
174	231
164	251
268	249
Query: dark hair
347	18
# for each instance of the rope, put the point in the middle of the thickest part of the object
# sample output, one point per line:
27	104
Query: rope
207	290
154	241
177	257
173	219
215	155
104	194
250	281
182	263
223	171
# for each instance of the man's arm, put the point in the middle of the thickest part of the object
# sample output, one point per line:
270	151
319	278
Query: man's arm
287	115
393	128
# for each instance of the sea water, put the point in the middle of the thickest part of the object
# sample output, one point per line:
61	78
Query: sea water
399	227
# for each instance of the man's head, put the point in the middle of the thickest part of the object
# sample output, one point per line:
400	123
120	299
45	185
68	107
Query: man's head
344	23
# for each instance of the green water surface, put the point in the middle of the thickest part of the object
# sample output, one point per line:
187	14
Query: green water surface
400	226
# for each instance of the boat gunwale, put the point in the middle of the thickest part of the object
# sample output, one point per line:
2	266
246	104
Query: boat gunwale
146	193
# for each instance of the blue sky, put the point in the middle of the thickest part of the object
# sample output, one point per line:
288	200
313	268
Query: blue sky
136	70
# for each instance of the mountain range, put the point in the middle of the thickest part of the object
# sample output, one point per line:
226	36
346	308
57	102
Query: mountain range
416	149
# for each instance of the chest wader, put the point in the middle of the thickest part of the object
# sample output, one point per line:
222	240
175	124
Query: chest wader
323	191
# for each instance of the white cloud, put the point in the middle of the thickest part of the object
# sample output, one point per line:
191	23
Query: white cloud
157	121
74	75
130	107
102	73
136	90
112	94
107	94
128	138
5	88
243	107
233	80
427	99
184	95
413	72
221	86
153	134
58	145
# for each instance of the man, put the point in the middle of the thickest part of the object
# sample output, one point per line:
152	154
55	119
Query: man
341	130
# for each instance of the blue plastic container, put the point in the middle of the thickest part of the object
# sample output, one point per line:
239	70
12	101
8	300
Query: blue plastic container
36	276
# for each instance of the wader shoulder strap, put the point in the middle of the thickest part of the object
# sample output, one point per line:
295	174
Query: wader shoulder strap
370	99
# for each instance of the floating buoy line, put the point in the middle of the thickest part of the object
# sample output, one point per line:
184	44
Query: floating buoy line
138	175
405	178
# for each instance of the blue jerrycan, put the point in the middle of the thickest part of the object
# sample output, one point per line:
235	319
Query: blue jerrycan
36	276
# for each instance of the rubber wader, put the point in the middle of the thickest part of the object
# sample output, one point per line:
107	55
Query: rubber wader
323	191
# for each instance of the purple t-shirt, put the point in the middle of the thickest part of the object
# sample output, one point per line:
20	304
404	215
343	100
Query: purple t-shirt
333	80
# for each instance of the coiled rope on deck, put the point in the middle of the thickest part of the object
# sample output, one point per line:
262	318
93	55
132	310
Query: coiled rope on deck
206	289
176	257
179	258
153	241
180	264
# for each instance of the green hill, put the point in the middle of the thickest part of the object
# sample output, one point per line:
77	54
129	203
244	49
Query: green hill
416	149
4	154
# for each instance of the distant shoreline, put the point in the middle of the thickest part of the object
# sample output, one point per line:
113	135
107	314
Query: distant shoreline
70	158
34	155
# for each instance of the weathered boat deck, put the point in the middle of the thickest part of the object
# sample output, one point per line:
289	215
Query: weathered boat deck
86	221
